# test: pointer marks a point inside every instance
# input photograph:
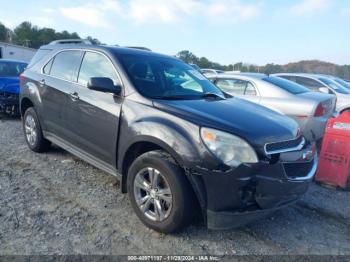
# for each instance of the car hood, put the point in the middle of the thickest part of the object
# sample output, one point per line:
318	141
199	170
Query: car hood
256	124
9	84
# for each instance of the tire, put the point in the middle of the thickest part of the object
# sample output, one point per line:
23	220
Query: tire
33	133
174	216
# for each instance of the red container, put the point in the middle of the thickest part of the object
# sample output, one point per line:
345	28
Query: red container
334	160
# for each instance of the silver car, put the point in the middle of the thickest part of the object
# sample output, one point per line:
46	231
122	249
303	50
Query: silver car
324	84
311	110
209	72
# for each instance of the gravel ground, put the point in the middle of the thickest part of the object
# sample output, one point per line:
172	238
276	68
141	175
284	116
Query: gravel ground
54	203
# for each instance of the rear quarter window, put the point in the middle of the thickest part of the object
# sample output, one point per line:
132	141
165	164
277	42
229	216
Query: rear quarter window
286	85
40	54
65	65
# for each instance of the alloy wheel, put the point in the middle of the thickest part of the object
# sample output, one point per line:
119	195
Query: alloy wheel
152	194
31	130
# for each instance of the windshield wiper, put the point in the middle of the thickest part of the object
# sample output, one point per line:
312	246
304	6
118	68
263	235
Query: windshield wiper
212	95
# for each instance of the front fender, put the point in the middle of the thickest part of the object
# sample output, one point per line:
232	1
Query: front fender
180	138
179	142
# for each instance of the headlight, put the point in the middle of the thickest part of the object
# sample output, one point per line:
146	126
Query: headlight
231	149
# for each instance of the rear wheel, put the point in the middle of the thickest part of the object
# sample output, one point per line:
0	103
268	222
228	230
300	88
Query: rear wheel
160	193
33	133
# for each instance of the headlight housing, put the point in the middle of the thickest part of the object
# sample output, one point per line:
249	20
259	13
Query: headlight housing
229	148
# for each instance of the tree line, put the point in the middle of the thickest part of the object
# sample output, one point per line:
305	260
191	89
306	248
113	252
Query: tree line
30	35
309	66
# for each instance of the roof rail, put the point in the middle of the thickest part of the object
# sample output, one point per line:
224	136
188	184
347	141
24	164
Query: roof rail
71	41
139	47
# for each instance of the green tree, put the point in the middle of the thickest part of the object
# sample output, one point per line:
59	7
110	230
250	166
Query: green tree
3	32
187	57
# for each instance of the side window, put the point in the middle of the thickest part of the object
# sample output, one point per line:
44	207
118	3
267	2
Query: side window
232	86
96	65
47	67
65	65
250	90
309	83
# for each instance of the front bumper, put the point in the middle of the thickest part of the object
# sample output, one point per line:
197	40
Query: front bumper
9	103
237	197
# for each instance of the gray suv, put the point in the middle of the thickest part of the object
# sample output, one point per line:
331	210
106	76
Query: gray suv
178	144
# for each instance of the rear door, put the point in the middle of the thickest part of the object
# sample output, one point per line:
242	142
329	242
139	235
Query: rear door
92	117
56	86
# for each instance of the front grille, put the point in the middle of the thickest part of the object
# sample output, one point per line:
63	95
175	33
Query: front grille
288	145
295	170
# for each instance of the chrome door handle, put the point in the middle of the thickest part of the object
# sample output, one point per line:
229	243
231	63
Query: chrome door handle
74	96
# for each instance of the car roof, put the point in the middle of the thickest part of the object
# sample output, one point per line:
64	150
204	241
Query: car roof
12	61
240	75
112	49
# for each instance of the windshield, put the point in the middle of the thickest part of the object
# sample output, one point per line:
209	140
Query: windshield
166	78
11	69
342	82
334	85
287	85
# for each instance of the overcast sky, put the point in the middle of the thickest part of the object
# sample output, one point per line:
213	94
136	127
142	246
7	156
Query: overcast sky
225	31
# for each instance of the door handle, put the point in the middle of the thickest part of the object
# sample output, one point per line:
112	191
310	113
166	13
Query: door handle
42	82
74	96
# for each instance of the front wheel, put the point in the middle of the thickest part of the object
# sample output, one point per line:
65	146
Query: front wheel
160	193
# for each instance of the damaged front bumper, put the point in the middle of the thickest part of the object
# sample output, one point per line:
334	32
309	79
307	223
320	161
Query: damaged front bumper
9	103
237	197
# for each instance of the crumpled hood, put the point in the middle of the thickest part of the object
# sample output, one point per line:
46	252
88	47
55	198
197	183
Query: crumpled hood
9	85
256	124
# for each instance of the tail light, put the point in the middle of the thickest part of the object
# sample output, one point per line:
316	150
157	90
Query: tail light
320	110
21	79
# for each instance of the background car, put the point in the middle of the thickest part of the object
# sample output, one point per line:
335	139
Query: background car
196	67
324	84
9	85
340	81
208	72
310	110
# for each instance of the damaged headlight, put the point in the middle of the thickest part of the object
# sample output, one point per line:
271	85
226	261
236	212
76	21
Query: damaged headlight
231	149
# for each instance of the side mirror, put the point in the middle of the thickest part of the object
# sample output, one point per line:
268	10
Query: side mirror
324	90
103	84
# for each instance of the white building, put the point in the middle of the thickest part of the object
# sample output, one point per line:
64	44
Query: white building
16	52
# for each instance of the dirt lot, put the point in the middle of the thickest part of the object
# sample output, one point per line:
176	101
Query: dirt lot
55	203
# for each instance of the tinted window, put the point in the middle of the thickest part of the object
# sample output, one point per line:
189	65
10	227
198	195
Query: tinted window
96	65
38	56
291	78
165	78
11	69
309	83
287	85
334	85
65	65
